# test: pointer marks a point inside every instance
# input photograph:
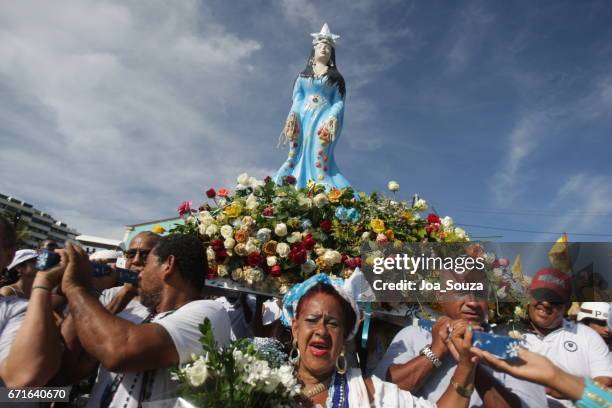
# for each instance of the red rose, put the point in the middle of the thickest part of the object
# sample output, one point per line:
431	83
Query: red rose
357	261
220	256
309	242
290	180
211	193
275	270
433	219
325	225
184	208
216	244
432	228
267	179
298	254
268	212
212	273
254	259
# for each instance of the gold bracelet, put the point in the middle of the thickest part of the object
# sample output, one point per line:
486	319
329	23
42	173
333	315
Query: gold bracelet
41	287
464	391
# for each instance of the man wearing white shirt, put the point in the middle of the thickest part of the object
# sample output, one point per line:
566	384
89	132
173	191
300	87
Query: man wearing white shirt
575	348
423	363
136	357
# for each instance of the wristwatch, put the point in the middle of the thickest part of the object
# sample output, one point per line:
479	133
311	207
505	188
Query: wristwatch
426	351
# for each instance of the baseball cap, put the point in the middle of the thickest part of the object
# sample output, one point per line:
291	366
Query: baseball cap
594	310
22	256
552	285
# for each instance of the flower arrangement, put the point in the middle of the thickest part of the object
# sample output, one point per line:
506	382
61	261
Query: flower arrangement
247	373
269	237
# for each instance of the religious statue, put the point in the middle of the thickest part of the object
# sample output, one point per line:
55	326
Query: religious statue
314	123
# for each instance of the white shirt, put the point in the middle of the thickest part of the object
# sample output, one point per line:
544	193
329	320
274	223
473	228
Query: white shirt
134	307
12	313
183	327
240	328
386	395
406	346
575	348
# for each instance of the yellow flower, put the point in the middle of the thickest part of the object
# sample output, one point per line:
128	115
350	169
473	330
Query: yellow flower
407	215
158	229
389	234
233	210
322	264
334	195
377	225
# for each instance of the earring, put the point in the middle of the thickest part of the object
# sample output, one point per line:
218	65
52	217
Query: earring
294	355
341	367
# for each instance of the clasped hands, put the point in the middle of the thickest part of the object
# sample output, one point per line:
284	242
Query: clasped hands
454	336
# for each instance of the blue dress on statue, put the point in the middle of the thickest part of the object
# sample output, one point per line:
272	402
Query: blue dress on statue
314	102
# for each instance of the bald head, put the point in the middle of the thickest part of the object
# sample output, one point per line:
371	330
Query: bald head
140	246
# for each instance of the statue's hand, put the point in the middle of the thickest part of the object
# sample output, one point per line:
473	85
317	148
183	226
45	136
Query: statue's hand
292	127
332	123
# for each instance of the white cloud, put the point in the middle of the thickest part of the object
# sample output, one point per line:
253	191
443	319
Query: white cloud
115	110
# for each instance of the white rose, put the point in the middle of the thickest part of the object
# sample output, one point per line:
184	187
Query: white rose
271	260
222	270
447	222
202	229
243	180
304	202
319	250
229	243
252	245
205	218
420	205
197	372
365	236
308	266
256	185
294	237
489	257
238	274
227	231
320	200
210	254
460	233
251	202
212	230
280	229
393	186
333	257
282	250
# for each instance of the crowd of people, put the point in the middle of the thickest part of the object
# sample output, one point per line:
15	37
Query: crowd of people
116	343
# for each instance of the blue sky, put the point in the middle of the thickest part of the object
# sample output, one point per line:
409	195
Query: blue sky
497	113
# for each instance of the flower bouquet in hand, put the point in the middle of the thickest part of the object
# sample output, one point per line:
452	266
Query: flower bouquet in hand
247	373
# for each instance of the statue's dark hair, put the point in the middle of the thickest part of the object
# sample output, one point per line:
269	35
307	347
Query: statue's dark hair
334	77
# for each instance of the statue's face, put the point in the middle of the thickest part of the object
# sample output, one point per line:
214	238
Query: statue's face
322	52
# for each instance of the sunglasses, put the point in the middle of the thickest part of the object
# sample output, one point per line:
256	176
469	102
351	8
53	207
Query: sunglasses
131	253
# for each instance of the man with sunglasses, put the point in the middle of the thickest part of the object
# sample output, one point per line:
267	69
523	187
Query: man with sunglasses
575	348
423	363
125	297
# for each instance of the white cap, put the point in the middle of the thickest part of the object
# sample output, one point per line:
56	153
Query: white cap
22	256
594	310
105	254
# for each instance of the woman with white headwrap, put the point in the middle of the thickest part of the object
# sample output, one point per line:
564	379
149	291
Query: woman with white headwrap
323	317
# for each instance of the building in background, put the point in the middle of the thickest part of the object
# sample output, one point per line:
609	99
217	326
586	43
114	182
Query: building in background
167	224
93	244
39	224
